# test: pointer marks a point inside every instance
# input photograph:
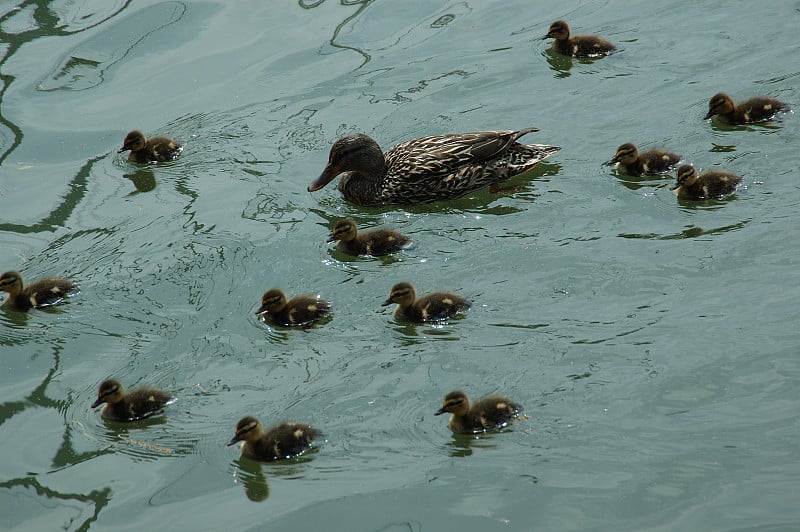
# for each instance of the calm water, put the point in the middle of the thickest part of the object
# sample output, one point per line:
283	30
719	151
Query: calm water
653	342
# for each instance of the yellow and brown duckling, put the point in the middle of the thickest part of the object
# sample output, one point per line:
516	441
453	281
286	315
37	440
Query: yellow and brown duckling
152	150
489	413
136	404
376	242
756	109
708	185
435	306
579	45
280	441
428	168
42	293
296	312
651	162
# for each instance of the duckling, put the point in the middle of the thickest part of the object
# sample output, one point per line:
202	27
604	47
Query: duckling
756	109
489	413
631	162
711	184
283	440
376	242
435	306
42	293
298	311
134	405
578	46
152	150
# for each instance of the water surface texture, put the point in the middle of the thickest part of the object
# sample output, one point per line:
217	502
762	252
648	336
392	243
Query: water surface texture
653	342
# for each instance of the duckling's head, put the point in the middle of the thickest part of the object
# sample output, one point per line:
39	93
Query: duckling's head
455	403
272	301
559	30
110	391
354	153
134	141
345	230
248	429
11	282
626	154
686	176
403	294
719	104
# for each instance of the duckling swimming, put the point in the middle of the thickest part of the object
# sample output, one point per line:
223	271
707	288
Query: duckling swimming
758	109
435	306
489	413
42	293
152	150
708	185
652	162
283	440
579	45
298	311
134	405
376	242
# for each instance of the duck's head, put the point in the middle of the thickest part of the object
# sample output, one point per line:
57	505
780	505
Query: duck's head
686	177
134	141
248	429
455	403
559	30
345	230
272	301
403	294
719	104
110	391
626	154
11	282
354	153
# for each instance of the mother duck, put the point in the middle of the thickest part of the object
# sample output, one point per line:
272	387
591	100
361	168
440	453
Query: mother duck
428	168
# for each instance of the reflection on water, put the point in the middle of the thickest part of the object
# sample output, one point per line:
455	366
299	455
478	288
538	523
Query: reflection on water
143	179
690	232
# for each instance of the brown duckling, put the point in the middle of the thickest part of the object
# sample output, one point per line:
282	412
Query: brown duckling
42	293
651	162
435	306
708	185
152	150
134	405
299	311
579	45
283	440
756	109
489	413
376	242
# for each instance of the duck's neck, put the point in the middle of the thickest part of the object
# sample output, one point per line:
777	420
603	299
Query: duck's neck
362	187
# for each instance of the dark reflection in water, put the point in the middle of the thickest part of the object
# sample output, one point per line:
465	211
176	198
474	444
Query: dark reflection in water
689	232
463	444
143	179
250	474
306	4
559	63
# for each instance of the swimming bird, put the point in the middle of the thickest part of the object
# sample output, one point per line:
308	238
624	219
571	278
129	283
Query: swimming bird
42	293
435	306
152	150
376	242
428	168
299	311
136	404
756	109
579	45
651	162
283	440
710	184
489	413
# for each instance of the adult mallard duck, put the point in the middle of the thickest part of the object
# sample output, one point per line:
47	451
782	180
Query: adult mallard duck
428	168
152	150
756	109
708	185
283	440
42	293
631	162
579	45
489	413
435	306
376	242
299	311
136	404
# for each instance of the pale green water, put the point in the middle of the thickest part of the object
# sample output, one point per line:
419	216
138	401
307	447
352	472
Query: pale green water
653	343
